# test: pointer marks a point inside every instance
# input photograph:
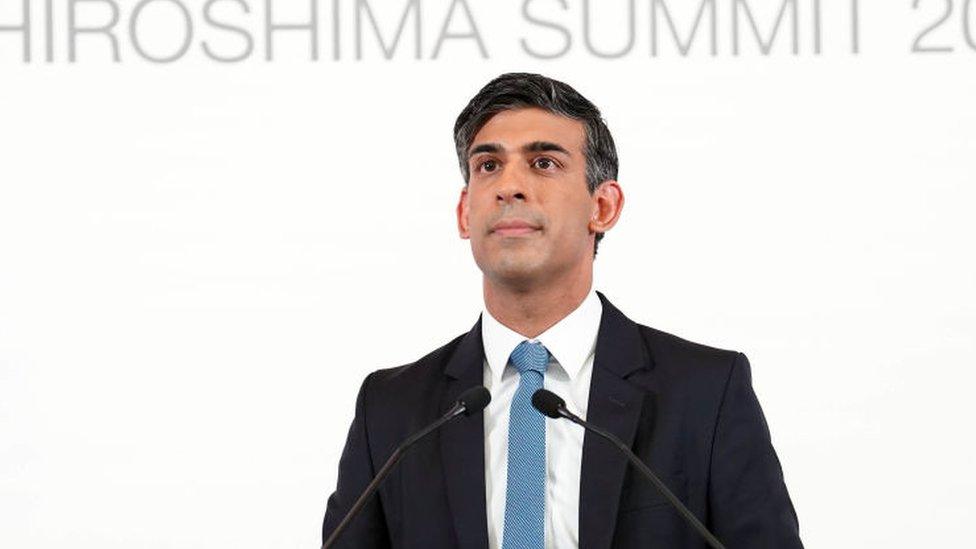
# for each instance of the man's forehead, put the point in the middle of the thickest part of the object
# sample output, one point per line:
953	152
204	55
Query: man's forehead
520	128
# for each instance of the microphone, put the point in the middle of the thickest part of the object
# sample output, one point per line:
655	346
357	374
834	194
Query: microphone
552	405
469	403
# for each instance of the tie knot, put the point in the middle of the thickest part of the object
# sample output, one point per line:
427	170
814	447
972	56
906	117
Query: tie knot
530	356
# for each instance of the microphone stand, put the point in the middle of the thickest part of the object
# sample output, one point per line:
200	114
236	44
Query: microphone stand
646	471
458	409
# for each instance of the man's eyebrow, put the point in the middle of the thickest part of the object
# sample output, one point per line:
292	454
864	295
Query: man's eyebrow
539	146
535	146
485	148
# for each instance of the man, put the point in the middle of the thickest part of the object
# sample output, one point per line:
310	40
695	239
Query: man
540	191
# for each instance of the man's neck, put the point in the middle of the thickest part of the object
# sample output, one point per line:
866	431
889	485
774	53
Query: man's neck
531	312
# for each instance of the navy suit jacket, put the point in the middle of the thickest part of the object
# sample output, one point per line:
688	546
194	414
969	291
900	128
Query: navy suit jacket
687	410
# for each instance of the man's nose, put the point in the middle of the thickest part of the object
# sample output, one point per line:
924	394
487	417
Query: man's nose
512	186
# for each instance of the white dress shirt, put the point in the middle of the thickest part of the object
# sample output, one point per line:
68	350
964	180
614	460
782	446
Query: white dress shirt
571	343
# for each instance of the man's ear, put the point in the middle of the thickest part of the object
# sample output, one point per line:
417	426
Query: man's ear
608	201
462	214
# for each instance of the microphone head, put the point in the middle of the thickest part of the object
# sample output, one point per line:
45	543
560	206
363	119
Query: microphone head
474	400
548	403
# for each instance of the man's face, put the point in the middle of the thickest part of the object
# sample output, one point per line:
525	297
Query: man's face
526	208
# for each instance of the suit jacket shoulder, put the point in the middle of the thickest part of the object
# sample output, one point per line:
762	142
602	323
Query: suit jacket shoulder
681	362
389	392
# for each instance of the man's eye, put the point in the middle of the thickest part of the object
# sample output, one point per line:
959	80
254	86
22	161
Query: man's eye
544	163
488	166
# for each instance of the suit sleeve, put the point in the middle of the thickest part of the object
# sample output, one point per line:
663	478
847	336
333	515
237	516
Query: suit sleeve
749	506
356	470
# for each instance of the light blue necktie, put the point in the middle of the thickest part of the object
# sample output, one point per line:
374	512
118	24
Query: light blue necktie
525	495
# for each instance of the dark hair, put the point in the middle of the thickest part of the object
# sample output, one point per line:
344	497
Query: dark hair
516	90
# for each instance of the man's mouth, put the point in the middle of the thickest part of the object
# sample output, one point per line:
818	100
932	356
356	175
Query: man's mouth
514	227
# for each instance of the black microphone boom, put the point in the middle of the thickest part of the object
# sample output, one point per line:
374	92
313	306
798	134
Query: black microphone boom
552	405
470	402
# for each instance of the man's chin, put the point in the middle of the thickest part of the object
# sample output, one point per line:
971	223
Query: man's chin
514	273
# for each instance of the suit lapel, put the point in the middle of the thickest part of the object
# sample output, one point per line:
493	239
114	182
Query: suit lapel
463	446
615	405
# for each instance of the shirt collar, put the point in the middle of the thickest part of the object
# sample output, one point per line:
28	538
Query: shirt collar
570	341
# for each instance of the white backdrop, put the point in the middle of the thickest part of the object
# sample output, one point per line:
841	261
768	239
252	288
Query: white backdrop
201	260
